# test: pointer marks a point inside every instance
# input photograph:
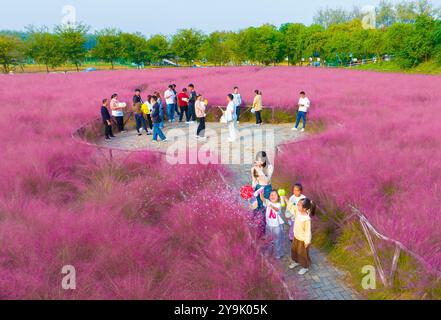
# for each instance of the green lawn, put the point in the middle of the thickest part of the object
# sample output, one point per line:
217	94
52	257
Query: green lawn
430	67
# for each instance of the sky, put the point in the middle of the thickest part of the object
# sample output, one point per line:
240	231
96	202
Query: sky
154	16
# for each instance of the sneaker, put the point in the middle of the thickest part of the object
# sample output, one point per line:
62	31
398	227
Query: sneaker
149	133
303	130
165	140
293	265
295	129
303	271
139	134
203	138
187	122
113	136
155	141
108	138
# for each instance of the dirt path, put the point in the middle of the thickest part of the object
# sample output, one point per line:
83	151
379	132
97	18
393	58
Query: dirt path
323	281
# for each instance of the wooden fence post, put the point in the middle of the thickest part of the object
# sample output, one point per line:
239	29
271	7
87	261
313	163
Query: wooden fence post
374	252
394	264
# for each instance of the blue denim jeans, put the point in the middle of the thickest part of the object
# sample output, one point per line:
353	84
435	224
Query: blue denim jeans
157	132
276	234
161	115
191	112
171	112
301	115
140	122
177	109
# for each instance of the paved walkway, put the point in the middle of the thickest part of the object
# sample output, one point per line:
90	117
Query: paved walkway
323	281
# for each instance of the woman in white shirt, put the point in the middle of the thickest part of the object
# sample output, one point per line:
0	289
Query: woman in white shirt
230	115
117	112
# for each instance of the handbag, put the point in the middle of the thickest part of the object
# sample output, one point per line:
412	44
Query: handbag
223	119
253	110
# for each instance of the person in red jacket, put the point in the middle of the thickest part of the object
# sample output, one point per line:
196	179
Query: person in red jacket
183	98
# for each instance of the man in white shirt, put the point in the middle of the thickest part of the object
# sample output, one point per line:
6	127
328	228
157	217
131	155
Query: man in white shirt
237	102
304	105
169	96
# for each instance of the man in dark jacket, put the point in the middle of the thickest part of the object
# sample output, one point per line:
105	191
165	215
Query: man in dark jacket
157	121
105	115
137	97
139	116
191	103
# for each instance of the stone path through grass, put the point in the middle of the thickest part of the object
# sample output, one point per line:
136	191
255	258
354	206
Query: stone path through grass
323	281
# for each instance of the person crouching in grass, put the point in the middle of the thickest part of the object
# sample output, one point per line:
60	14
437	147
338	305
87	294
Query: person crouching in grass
156	120
302	235
105	115
200	114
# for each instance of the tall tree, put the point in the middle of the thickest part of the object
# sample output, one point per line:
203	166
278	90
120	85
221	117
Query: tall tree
215	49
11	52
74	41
268	44
235	43
158	48
386	15
46	48
108	46
327	17
134	48
186	44
294	41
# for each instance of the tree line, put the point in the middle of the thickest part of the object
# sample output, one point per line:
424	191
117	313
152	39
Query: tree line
410	31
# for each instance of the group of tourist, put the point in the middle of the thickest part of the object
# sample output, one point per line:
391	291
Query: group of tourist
270	218
149	114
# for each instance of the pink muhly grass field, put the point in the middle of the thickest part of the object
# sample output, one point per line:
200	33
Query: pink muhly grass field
134	228
379	152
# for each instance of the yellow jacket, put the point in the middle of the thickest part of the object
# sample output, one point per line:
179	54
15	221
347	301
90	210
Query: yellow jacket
257	103
145	109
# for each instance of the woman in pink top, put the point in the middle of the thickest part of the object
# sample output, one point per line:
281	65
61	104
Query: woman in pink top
200	114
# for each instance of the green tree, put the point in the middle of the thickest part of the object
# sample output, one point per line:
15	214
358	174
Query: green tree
423	38
108	46
215	49
235	46
314	39
294	41
73	38
437	40
386	15
158	48
11	52
399	43
406	11
186	44
267	44
46	48
134	48
327	17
